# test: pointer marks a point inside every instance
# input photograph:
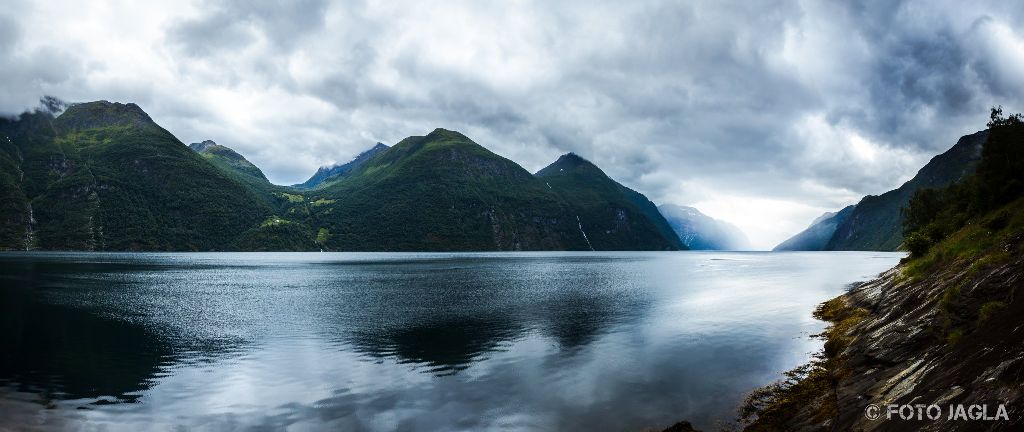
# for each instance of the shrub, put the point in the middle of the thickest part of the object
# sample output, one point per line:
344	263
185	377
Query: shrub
918	243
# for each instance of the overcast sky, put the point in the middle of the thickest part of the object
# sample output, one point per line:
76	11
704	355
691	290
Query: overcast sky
764	115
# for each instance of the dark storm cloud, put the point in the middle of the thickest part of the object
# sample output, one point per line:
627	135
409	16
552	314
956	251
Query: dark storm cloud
922	77
808	105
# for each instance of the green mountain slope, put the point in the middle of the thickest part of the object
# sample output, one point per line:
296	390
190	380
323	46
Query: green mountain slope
275	233
442	192
228	160
876	222
613	216
104	176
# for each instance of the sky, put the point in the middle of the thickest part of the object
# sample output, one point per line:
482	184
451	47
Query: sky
762	114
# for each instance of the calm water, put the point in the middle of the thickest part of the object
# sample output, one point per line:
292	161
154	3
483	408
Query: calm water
528	341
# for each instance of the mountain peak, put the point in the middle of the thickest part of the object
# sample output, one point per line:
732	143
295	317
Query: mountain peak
102	113
226	158
445	133
441	134
571	163
53	105
202	147
211	147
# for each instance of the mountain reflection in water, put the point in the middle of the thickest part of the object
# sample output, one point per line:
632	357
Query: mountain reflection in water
531	341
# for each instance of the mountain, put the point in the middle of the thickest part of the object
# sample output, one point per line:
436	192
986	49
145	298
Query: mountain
334	172
612	216
104	176
227	159
817	236
442	192
876	222
701	232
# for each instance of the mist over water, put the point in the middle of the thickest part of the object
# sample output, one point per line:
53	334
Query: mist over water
405	341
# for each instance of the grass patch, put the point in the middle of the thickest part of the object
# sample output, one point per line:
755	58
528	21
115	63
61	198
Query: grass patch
976	243
292	198
988	309
323	235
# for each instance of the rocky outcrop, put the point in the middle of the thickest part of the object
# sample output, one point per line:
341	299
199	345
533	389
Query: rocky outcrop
954	337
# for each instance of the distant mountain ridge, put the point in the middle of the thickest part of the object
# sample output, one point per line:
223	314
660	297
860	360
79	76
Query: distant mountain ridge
701	232
817	236
104	176
333	172
876	222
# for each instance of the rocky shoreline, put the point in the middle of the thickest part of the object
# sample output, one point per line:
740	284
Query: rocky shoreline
938	351
904	352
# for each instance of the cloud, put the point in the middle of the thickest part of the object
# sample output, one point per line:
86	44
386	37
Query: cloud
28	72
790	109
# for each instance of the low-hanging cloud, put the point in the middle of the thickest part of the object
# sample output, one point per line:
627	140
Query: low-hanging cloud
743	109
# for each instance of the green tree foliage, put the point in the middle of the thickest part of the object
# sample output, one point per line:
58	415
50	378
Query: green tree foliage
918	243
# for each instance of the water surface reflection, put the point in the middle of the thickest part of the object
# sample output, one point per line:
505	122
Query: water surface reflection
533	341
